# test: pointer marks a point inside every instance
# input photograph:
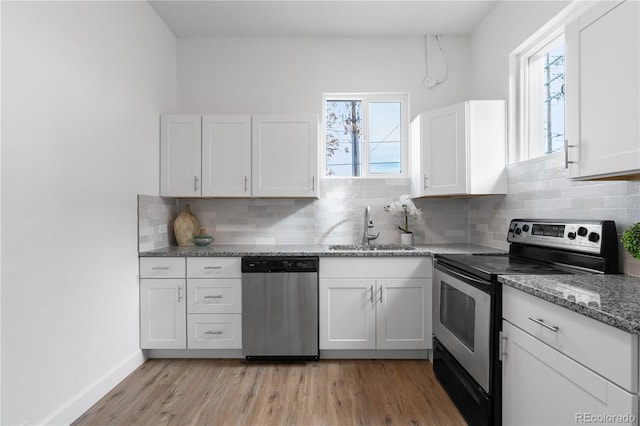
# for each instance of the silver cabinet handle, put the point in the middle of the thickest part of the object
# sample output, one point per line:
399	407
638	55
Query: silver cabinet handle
503	343
541	322
371	290
179	293
213	267
246	183
161	268
213	332
195	183
217	296
380	294
313	184
425	182
566	154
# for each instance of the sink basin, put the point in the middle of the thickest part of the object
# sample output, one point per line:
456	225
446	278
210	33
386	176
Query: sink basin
373	247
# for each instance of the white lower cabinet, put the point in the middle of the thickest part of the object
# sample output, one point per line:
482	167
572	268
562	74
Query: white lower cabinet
162	314
192	304
214	303
543	385
375	303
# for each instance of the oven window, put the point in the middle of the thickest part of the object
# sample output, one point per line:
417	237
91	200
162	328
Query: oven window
458	313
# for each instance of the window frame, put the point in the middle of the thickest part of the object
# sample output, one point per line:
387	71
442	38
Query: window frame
366	99
518	147
521	96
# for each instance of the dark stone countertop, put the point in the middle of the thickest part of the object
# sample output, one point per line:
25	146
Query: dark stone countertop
313	250
610	298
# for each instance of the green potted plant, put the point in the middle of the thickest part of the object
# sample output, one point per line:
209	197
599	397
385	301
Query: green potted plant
631	240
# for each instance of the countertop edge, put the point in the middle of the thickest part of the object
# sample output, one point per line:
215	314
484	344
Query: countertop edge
519	282
421	250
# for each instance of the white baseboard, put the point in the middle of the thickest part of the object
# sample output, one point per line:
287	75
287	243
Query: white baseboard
85	399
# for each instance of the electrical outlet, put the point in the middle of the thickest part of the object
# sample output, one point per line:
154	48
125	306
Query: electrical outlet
162	229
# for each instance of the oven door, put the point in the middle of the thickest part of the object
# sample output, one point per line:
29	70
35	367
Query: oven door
462	320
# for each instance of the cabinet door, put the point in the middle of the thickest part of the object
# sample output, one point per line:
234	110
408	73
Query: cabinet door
163	314
226	155
445	151
180	155
285	155
403	316
347	314
603	91
535	375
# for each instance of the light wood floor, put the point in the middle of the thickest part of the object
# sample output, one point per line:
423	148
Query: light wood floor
236	392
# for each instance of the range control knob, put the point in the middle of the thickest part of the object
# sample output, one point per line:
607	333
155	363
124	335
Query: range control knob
525	228
582	231
571	235
518	231
594	237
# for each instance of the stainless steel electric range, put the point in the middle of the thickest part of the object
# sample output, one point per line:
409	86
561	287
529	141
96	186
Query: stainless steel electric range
467	297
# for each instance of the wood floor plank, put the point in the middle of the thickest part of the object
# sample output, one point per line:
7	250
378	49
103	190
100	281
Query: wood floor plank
237	392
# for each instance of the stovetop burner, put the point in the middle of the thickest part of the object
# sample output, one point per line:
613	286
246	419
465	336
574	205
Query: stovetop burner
491	265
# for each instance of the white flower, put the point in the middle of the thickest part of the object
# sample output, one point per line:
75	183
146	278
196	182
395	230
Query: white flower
404	206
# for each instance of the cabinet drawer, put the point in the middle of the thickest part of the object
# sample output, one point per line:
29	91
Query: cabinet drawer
378	267
214	296
214	267
214	331
608	351
162	267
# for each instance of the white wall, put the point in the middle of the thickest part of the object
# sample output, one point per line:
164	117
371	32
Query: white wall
507	26
83	84
290	74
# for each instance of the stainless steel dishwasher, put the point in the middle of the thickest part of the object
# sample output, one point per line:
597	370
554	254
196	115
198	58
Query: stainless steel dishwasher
280	307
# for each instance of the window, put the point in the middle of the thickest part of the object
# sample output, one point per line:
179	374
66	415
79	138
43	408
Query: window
366	135
540	98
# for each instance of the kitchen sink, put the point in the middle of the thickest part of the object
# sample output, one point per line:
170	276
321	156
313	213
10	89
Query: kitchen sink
372	247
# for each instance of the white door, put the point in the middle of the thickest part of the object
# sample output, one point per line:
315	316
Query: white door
285	155
163	314
180	155
603	101
542	386
226	155
401	314
445	163
347	314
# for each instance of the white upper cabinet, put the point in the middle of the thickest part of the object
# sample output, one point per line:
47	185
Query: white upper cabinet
459	150
226	155
180	155
239	156
603	91
285	155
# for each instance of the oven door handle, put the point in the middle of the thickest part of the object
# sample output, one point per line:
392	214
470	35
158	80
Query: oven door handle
476	282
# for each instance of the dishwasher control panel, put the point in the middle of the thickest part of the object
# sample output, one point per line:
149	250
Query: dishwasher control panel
279	264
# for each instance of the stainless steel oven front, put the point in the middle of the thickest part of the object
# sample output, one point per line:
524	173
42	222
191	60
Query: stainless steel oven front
462	320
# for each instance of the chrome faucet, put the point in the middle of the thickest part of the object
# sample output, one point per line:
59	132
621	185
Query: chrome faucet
368	223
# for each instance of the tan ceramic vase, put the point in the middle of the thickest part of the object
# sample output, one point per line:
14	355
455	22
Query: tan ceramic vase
185	226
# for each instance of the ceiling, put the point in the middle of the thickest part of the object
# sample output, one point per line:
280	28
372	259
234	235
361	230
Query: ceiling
357	18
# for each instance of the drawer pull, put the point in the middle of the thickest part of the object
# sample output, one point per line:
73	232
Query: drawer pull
213	332
213	267
545	325
217	296
163	268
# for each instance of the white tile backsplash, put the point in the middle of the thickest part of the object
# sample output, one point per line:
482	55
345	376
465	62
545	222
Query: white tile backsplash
538	188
